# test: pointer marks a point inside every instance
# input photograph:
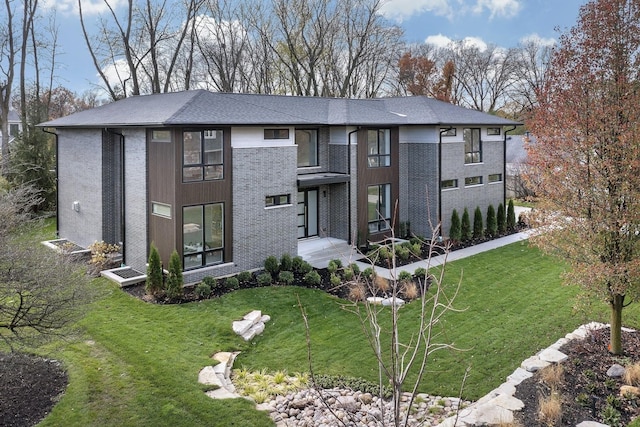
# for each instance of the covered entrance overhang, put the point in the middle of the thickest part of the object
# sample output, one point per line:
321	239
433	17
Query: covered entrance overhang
322	178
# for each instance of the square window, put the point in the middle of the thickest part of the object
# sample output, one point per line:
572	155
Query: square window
493	131
203	155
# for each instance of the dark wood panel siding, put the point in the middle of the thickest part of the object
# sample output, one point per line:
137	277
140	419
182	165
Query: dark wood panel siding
205	192
370	176
162	171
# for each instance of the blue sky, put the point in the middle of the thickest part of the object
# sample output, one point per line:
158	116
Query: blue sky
500	22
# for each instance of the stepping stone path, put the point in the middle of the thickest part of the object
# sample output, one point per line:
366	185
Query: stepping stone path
252	324
494	409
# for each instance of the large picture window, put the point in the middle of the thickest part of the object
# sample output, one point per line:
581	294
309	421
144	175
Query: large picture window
307	142
378	148
379	207
472	145
203	235
202	158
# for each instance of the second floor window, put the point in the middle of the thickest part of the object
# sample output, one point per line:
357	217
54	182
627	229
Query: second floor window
307	142
472	145
378	148
202	158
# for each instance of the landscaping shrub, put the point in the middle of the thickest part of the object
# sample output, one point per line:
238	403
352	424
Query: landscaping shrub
492	225
501	219
409	290
100	259
332	267
403	252
312	278
478	227
357	291
232	283
203	290
213	283
420	273
511	216
154	283
368	273
301	266
338	262
404	276
286	277
286	263
264	279
244	276
335	280
271	265
354	267
455	230
348	274
465	226
381	284
174	278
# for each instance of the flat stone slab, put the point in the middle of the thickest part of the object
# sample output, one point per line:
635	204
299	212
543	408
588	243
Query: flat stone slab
552	356
591	424
242	326
265	318
222	393
518	376
492	415
507	402
209	376
255	329
375	300
392	301
254	316
534	364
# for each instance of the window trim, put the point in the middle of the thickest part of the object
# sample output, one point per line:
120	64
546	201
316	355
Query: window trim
168	138
471	155
374	160
494	131
317	147
161	215
202	165
490	181
382	222
203	251
277	201
454	181
276	133
478	177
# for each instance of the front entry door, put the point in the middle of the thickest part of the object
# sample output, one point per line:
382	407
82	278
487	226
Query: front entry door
307	213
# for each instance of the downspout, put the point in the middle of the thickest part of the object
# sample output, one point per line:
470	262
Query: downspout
349	187
57	192
504	165
123	227
442	131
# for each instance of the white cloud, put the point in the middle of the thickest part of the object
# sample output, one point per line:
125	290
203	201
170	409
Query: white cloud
439	41
504	8
542	41
398	10
89	7
474	42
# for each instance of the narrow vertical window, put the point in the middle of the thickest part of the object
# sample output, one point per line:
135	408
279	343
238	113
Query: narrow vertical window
307	142
202	155
472	145
203	235
379	207
379	148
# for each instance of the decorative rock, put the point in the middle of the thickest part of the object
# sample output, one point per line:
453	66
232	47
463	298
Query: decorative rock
375	300
493	415
208	376
254	316
507	402
392	301
241	326
265	318
349	403
591	424
552	356
615	371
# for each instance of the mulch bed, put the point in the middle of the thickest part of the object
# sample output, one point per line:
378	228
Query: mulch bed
30	387
586	390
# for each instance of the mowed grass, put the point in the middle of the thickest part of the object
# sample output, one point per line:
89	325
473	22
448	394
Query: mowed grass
136	364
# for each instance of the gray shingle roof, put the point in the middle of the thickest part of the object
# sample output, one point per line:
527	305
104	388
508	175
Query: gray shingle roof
200	107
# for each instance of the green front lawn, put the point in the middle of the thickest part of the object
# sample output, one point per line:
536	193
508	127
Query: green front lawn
136	364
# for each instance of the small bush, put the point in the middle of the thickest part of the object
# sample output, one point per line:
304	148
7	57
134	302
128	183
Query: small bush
232	283
403	252
404	276
410	290
550	410
465	226
478	227
381	284
264	279
455	230
357	292
271	265
296	262
301	266
632	374
338	262
357	384
492	224
368	273
335	280
312	278
348	274
332	267
501	219
384	253
511	216
154	283
354	267
212	282
286	277
420	273
203	290
244	276
286	263
173	286
553	376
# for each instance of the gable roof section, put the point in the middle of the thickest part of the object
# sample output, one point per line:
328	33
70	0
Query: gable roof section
201	107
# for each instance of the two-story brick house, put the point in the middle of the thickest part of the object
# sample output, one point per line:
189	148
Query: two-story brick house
229	179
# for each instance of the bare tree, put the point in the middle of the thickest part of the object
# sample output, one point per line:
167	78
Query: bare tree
532	60
8	54
40	294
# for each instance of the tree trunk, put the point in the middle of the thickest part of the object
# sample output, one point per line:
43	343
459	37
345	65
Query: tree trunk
615	344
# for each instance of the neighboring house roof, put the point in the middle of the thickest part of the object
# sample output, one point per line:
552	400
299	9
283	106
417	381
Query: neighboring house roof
200	107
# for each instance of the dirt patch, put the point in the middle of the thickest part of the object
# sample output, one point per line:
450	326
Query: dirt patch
31	386
586	392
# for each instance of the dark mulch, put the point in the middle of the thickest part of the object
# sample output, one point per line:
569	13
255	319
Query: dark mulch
587	391
30	387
